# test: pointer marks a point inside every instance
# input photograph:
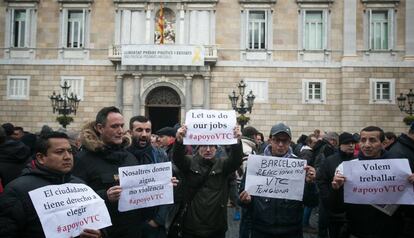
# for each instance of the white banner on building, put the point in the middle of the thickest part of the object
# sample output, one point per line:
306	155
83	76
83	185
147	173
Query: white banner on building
145	186
210	127
378	182
275	177
190	55
66	210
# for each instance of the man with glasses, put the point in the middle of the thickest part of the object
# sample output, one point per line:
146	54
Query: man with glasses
273	217
206	186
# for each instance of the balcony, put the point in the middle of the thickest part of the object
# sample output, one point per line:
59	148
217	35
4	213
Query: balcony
210	57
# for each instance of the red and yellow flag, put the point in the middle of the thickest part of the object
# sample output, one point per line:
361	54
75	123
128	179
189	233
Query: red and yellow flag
160	23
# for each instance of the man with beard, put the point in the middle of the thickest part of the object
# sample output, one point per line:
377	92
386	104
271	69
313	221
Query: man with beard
145	153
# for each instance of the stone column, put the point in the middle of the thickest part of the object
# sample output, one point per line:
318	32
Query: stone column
119	92
136	100
350	8
188	92
409	30
206	104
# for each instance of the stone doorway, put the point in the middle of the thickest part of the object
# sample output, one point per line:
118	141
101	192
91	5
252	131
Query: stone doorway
162	107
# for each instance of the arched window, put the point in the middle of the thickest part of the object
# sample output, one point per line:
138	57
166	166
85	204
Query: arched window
165	26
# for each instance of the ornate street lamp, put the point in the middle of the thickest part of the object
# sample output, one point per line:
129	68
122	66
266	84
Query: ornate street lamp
405	103
245	105
64	105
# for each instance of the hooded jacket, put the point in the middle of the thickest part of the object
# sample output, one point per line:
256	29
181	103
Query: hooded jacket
13	158
97	164
18	217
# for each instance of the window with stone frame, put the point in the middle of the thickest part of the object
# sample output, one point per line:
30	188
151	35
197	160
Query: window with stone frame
313	91
18	87
382	91
74	27
380	24
259	87
314	29
379	29
20	25
257	29
76	85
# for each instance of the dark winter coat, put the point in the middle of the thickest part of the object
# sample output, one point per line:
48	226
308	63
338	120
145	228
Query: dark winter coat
13	157
207	211
404	148
18	216
97	164
324	179
322	150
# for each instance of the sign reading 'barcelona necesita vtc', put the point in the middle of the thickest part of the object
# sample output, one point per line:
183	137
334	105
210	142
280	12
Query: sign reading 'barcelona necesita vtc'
190	55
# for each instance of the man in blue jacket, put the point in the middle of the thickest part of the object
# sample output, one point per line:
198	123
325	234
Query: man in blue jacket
273	217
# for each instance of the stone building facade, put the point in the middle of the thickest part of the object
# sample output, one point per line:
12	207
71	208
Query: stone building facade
329	64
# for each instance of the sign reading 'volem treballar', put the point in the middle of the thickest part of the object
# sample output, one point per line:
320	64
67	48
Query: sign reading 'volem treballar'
190	55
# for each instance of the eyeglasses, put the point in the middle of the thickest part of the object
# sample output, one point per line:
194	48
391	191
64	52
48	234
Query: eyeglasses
277	140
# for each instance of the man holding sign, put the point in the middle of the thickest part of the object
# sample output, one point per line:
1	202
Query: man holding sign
54	161
277	217
366	220
206	177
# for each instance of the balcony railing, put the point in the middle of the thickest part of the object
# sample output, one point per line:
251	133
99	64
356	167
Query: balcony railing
115	51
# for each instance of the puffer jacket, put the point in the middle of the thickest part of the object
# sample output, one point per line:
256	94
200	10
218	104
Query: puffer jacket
13	158
273	216
207	210
97	164
18	216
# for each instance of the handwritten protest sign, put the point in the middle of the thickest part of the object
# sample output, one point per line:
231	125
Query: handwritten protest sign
210	127
66	210
145	186
378	182
275	177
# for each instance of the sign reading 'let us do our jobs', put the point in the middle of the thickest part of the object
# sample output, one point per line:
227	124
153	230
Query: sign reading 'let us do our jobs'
210	127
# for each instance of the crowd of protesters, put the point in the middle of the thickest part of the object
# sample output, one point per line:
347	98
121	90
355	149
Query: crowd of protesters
206	178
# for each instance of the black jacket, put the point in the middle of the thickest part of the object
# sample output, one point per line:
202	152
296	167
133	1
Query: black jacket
365	221
207	212
97	164
324	178
13	158
18	216
404	148
322	150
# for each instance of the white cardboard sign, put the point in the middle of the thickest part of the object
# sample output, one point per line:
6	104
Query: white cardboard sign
210	127
66	210
378	182
145	186
275	177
